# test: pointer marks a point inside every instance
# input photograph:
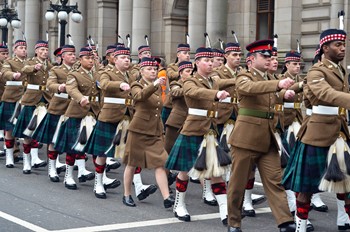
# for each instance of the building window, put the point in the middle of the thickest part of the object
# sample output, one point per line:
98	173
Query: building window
264	19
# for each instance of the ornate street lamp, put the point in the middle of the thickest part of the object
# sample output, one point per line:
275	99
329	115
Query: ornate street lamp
8	15
63	11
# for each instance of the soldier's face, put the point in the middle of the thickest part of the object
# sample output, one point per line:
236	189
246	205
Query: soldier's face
110	58
186	73
293	67
21	51
149	72
4	55
145	54
183	56
233	59
69	58
334	51
218	61
87	62
42	53
122	62
204	65
274	64
261	62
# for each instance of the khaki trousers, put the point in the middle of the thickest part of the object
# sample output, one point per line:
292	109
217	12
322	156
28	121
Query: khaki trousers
269	166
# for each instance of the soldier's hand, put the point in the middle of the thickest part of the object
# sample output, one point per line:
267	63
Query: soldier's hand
84	101
38	66
124	86
222	94
285	83
62	88
160	80
16	75
289	94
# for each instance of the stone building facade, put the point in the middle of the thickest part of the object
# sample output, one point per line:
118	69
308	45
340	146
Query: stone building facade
167	21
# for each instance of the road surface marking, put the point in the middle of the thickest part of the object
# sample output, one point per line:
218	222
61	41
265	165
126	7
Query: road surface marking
21	222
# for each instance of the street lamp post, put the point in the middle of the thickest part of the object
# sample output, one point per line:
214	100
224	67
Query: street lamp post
63	11
8	15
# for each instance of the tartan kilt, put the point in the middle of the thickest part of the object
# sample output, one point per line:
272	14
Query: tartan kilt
101	139
23	121
68	135
46	129
165	115
6	111
184	153
306	167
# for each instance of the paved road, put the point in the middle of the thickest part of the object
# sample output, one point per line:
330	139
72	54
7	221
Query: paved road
33	203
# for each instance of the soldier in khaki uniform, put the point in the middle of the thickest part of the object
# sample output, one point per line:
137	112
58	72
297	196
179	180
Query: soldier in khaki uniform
324	135
115	85
144	51
47	129
4	53
36	94
82	87
145	141
14	89
219	58
253	139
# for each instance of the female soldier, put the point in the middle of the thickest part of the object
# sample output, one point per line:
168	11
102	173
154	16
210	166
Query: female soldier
145	142
201	95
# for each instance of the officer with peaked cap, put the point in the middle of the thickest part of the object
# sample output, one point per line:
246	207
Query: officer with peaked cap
253	139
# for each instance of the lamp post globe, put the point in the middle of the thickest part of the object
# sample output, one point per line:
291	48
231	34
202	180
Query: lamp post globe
3	22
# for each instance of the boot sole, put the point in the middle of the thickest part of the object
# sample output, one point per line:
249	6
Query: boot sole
71	187
112	185
186	218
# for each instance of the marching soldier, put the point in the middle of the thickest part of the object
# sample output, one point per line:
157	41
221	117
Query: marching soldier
197	137
15	79
327	89
58	56
218	59
145	141
33	103
4	53
115	86
48	128
144	51
253	139
82	87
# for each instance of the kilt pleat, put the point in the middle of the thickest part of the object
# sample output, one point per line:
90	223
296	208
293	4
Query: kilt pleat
184	153
101	139
46	129
306	166
6	111
23	121
67	136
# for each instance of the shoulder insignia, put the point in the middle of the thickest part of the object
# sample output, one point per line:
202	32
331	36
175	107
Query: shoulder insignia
6	66
71	81
314	81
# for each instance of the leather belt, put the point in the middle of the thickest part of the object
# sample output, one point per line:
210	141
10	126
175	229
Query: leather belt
36	87
62	95
230	100
204	113
92	98
121	101
256	113
292	105
328	110
14	83
308	112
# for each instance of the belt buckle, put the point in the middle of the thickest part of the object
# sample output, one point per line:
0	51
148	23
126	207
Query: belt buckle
234	100
42	87
211	114
342	111
128	101
297	105
279	107
25	83
92	98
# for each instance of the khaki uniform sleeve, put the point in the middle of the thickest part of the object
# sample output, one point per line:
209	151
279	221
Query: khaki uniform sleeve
28	67
52	82
141	94
246	86
107	85
192	90
6	70
72	89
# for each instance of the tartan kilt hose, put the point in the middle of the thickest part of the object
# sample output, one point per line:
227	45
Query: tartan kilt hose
46	129
101	139
184	153
6	111
23	121
68	135
306	167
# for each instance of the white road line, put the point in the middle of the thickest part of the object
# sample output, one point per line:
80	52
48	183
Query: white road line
258	183
157	222
21	222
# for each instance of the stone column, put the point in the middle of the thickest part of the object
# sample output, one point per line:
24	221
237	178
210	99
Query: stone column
32	24
216	21
197	23
78	30
107	21
21	15
125	18
141	23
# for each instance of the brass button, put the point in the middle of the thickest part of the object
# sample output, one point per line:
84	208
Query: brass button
156	115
